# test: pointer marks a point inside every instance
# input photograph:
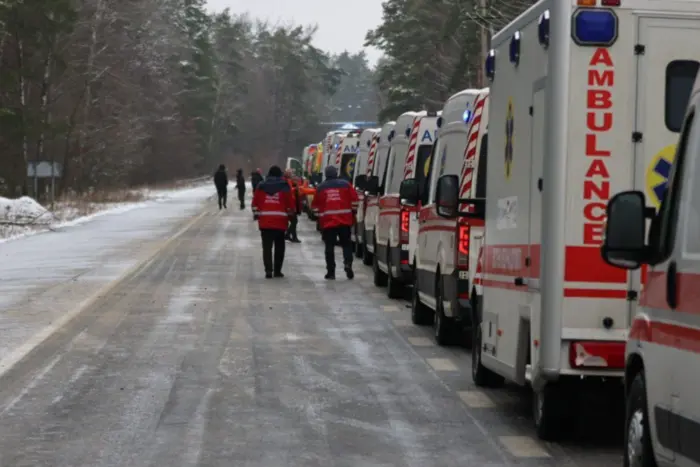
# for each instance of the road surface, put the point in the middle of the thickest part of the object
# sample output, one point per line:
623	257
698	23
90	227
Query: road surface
187	356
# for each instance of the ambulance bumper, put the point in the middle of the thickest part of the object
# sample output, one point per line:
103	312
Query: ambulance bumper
456	290
401	270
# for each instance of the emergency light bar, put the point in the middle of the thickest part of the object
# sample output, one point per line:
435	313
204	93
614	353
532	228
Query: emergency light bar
594	27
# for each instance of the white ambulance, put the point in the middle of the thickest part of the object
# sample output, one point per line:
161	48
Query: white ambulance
411	146
375	188
331	145
585	102
368	146
447	250
347	155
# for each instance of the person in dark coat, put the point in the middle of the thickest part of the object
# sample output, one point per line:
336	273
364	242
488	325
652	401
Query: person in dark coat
240	185
255	179
221	183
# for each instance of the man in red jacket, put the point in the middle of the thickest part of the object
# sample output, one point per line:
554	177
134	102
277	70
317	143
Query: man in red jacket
292	231
273	206
336	203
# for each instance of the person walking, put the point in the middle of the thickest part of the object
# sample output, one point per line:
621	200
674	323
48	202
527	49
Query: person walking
255	178
291	234
336	203
240	185
221	183
272	207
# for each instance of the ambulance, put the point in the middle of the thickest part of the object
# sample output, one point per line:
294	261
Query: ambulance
346	156
446	250
332	145
375	188
586	100
368	145
411	146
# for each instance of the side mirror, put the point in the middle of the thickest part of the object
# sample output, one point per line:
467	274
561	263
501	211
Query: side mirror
447	196
360	182
624	245
409	191
372	185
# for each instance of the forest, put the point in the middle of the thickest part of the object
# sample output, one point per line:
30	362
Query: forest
125	93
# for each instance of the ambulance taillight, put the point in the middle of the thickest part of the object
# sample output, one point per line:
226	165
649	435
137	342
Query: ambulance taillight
403	238
462	250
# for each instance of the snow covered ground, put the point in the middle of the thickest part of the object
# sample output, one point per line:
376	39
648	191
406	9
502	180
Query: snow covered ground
24	216
45	276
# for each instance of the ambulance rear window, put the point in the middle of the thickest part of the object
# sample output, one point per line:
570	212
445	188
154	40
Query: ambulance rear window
680	76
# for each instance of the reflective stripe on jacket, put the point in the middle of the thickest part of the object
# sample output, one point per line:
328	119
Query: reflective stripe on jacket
273	204
336	203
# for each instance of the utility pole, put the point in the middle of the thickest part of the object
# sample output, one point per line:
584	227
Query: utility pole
484	44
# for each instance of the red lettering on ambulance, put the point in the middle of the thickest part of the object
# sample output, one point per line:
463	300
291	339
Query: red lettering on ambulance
599	121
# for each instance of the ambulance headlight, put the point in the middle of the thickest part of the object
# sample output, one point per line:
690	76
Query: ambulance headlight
594	27
490	65
543	29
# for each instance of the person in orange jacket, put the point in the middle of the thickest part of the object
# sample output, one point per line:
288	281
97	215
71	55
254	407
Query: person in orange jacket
291	234
336	202
273	206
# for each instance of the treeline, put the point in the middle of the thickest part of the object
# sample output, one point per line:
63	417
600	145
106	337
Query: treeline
127	92
433	49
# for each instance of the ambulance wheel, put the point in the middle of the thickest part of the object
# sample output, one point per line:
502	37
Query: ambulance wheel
638	448
380	278
549	412
367	256
395	287
443	327
481	375
421	314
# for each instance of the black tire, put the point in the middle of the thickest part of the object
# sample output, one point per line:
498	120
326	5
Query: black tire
395	288
421	314
443	327
380	279
639	452
367	256
549	411
481	375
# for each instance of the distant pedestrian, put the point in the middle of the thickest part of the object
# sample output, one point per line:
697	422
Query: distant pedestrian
336	203
255	178
272	207
221	183
296	196
240	185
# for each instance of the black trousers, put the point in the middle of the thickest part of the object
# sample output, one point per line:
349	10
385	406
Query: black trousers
273	238
342	235
292	230
223	194
241	197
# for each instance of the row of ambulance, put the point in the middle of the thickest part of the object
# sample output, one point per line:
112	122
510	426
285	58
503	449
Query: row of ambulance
517	215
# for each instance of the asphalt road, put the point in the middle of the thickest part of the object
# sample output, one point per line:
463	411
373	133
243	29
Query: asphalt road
194	359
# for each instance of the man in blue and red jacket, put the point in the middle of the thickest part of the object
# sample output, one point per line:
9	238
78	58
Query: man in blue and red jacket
273	205
336	203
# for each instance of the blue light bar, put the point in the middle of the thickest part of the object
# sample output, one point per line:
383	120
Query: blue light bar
593	27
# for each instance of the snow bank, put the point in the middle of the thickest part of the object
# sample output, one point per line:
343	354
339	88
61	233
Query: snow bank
23	211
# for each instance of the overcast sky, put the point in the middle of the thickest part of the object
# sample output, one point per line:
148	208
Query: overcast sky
341	24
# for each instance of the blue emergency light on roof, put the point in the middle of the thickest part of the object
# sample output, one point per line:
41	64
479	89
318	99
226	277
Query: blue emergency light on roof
467	116
543	29
408	131
514	50
439	122
490	65
594	27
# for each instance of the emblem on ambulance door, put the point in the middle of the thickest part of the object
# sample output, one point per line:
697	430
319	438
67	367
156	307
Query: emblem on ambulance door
657	174
426	166
350	168
510	118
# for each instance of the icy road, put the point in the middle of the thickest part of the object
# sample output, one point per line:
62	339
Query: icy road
151	338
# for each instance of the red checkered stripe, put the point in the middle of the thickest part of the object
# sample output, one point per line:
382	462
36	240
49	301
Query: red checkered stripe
470	153
370	157
412	144
339	152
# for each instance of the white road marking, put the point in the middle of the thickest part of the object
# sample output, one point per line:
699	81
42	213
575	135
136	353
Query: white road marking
523	446
441	364
390	308
476	399
421	341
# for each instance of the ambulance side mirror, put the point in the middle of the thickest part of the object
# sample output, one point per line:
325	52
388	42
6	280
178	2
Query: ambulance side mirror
409	192
624	244
372	185
447	196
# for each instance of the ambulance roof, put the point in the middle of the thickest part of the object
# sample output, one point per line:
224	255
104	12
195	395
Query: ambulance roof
458	105
387	128
404	123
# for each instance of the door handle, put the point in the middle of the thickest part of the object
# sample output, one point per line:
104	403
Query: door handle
672	285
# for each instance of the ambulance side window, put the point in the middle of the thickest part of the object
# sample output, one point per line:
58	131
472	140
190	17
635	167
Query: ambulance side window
481	171
662	235
680	76
428	182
